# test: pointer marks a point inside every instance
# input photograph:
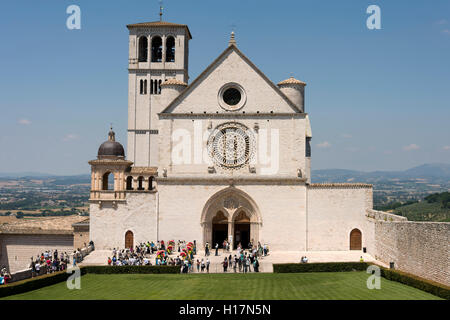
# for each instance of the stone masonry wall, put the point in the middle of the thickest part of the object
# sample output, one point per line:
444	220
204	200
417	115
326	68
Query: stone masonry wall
420	248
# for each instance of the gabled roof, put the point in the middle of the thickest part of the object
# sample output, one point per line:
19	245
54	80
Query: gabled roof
159	24
231	47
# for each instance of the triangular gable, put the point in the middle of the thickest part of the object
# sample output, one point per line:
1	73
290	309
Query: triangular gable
208	89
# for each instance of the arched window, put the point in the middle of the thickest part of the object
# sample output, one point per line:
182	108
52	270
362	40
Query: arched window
150	183
130	183
159	86
170	49
105	182
151	87
140	183
141	87
156	49
145	86
143	49
355	239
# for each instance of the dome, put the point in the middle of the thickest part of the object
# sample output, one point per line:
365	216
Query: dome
111	148
292	80
173	82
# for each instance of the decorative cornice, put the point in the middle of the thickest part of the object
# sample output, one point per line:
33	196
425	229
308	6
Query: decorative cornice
340	185
232	115
144	170
231	180
103	162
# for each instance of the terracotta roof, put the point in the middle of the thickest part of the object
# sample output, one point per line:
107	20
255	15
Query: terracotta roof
159	24
45	225
291	80
173	82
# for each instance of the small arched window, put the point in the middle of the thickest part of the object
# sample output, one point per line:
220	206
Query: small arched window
156	49
143	49
150	183
170	49
141	183
130	183
141	87
145	86
159	86
105	182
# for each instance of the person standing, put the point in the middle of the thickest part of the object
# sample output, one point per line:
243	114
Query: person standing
207	265
198	265
225	264
203	265
207	249
217	249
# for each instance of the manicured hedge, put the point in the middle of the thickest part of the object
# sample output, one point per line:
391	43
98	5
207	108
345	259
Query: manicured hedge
319	267
33	283
426	285
61	276
131	269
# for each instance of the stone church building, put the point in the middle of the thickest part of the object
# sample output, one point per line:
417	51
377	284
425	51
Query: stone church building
226	156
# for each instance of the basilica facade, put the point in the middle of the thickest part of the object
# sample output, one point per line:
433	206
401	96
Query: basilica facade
226	156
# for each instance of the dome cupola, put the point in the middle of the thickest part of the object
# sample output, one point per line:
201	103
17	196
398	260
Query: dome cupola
111	149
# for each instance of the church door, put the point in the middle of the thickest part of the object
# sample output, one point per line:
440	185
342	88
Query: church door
242	230
129	240
219	229
355	240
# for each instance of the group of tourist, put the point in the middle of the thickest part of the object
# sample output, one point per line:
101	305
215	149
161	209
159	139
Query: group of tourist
50	261
182	254
5	276
242	261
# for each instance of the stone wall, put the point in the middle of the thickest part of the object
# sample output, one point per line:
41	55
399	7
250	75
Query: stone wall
420	248
17	249
334	210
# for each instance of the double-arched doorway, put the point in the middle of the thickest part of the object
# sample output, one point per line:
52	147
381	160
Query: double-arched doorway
231	215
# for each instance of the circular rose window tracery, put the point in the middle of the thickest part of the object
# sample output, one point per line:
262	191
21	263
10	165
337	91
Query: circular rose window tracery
231	145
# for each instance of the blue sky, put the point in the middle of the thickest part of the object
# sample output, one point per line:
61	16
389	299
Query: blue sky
377	99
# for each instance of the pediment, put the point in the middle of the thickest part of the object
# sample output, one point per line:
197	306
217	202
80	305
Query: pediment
231	68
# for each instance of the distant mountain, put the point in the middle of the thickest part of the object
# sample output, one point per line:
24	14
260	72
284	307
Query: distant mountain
433	169
433	172
14	175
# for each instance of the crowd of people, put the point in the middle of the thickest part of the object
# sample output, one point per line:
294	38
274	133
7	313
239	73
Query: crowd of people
50	261
5	276
175	254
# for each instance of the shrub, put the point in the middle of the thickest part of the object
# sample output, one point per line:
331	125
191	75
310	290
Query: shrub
33	283
426	285
53	278
319	267
131	269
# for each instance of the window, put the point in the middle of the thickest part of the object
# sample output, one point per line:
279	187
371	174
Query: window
155	86
130	183
170	49
232	97
143	87
150	183
140	183
308	147
105	182
156	49
143	49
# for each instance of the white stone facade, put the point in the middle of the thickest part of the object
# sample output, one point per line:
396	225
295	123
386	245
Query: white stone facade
260	192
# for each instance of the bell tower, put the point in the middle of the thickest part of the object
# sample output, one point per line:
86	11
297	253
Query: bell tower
158	51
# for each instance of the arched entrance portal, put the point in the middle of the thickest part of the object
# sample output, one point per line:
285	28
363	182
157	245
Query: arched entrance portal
129	239
231	214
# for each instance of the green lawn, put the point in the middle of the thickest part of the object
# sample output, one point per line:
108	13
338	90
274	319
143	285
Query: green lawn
271	286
